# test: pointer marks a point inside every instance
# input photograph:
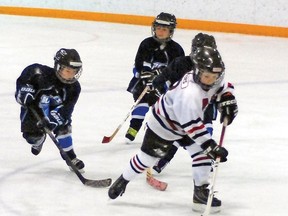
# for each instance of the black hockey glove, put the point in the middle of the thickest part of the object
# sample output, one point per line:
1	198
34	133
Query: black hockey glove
228	108
52	121
25	95
152	97
148	77
52	118
160	83
212	150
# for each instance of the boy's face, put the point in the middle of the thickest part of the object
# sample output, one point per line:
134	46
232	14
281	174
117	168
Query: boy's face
162	32
208	78
68	73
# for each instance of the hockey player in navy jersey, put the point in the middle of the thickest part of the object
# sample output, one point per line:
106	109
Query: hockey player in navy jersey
52	93
179	116
154	53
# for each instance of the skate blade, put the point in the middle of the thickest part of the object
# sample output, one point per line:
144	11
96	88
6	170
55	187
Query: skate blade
197	207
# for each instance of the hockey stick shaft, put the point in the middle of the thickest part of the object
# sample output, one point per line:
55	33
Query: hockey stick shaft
216	165
107	139
92	183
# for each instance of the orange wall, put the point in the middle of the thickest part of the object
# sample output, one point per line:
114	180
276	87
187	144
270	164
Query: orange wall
146	20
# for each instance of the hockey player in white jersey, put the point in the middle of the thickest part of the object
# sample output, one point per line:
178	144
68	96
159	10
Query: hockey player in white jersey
173	73
178	114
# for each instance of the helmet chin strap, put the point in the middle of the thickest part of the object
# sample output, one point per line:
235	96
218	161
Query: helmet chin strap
206	87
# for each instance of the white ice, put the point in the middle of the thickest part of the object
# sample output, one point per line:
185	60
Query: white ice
252	182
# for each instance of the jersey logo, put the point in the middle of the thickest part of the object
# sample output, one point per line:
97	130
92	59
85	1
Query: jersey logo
185	81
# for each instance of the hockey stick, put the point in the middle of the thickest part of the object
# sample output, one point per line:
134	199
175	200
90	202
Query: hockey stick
107	139
216	165
88	182
155	183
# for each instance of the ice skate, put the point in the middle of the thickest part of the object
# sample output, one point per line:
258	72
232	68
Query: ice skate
118	188
36	149
130	135
79	164
37	143
200	198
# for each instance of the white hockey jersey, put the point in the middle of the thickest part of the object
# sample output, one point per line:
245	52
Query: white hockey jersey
180	110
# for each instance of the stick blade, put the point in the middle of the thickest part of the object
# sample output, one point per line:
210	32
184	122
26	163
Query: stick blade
158	185
155	183
106	139
98	183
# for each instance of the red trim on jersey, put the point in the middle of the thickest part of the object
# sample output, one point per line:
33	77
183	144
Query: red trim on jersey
172	125
230	85
204	103
158	110
201	158
167	120
196	128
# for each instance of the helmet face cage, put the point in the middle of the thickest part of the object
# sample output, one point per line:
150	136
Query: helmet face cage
197	78
165	20
207	59
67	58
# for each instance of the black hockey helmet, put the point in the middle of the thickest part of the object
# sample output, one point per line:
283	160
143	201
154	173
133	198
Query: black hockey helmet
207	59
167	20
201	40
67	58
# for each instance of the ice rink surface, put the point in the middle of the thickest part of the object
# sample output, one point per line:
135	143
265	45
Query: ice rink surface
252	182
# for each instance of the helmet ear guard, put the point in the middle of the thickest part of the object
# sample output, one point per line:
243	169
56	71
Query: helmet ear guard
165	20
67	58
